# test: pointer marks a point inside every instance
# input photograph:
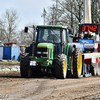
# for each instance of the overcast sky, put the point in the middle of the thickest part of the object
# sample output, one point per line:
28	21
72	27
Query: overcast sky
29	10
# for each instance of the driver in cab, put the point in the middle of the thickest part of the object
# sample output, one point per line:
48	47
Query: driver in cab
51	37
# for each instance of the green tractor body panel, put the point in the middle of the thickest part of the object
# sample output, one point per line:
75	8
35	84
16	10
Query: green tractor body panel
49	47
44	56
42	62
68	58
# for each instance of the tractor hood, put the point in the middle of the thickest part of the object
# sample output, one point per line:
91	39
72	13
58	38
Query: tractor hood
45	45
45	50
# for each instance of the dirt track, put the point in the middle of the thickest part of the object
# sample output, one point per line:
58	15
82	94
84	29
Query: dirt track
13	87
9	64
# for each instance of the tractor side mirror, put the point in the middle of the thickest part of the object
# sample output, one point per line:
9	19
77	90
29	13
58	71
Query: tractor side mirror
26	29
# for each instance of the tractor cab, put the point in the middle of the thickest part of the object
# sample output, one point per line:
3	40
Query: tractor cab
47	36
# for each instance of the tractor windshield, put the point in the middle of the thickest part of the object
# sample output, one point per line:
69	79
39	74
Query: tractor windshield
49	35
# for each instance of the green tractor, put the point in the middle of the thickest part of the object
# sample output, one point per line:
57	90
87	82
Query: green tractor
51	52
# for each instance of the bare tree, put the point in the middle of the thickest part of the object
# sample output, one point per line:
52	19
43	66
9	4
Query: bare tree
54	16
95	9
2	32
10	20
70	12
26	38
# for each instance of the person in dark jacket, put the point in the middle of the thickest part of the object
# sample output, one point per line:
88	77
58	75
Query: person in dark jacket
75	39
88	35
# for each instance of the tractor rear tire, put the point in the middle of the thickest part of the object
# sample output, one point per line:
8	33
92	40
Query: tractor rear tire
24	66
61	66
77	63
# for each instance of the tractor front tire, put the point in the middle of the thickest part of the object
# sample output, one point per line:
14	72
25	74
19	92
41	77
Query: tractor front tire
77	63
61	66
24	66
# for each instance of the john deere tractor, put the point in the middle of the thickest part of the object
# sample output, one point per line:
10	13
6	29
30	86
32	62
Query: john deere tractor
51	52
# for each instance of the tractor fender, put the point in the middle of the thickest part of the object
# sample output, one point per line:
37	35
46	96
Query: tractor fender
70	50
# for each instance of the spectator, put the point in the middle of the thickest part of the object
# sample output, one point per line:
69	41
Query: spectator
88	35
75	39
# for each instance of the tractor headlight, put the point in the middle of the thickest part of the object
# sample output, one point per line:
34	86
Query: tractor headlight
39	52
45	52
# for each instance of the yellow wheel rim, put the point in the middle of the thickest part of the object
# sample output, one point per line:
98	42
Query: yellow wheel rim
42	69
72	64
64	66
79	64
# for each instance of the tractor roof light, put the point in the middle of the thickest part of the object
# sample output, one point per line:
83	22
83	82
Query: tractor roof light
33	42
63	43
97	21
79	23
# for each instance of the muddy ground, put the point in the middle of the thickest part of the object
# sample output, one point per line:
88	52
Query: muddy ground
3	64
13	87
